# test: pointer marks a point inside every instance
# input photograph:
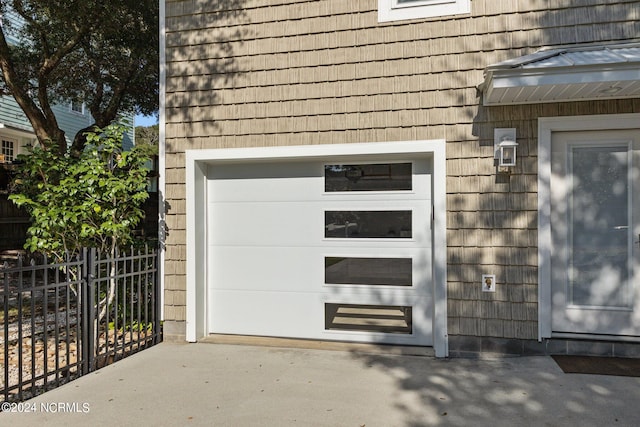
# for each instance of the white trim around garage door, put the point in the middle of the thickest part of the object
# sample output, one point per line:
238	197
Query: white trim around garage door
546	126
197	162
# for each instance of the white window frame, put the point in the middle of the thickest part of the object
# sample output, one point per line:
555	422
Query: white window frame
11	145
394	10
73	110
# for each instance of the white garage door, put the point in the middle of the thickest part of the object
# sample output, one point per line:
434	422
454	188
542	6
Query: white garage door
336	250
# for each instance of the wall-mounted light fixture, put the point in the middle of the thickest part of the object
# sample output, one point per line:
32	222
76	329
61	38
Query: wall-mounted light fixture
504	144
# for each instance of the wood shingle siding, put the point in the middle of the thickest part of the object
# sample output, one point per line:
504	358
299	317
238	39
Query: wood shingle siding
266	73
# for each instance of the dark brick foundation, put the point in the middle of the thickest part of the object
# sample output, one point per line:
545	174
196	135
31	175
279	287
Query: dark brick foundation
470	346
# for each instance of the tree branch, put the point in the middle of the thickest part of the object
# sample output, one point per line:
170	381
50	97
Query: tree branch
21	94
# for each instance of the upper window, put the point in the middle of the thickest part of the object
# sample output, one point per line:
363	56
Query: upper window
77	107
395	10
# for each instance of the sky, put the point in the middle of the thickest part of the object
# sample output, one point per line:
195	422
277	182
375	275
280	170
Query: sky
141	120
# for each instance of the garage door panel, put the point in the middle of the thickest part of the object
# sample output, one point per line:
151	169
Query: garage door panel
266	268
260	182
260	170
302	223
296	269
265	224
293	315
265	190
298	182
282	314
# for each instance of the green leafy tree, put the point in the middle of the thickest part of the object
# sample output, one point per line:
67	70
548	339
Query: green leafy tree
102	53
96	201
147	135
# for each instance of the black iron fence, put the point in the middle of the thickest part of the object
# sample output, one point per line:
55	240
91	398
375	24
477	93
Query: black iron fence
62	320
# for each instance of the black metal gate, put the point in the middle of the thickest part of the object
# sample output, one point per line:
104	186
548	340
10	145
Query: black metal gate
62	320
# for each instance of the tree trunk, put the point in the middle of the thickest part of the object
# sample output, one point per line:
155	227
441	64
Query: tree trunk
80	140
107	301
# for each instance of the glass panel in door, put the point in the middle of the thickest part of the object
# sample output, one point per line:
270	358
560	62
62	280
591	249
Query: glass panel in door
595	212
599	219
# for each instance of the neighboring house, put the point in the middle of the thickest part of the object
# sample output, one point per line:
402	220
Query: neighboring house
17	134
16	131
329	172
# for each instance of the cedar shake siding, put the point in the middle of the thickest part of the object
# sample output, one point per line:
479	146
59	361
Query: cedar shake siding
262	73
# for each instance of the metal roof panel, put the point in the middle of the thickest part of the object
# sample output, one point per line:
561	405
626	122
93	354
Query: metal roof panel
564	74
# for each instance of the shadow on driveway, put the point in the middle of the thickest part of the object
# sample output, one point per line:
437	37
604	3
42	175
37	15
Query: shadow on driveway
241	385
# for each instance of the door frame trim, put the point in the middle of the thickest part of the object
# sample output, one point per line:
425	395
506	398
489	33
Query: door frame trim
546	127
197	162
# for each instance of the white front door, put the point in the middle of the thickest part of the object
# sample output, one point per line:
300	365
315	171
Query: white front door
595	226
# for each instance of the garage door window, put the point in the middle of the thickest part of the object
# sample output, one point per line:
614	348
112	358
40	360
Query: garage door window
388	319
368	271
367	177
367	224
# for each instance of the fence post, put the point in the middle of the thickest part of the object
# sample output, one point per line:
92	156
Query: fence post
92	307
157	321
88	314
5	310
84	313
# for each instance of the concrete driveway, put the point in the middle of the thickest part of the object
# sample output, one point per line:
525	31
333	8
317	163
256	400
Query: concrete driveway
242	385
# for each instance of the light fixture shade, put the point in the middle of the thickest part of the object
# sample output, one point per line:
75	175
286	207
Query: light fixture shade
504	144
508	150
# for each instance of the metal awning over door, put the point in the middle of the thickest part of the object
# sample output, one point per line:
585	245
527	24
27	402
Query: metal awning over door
569	73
